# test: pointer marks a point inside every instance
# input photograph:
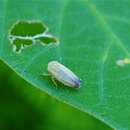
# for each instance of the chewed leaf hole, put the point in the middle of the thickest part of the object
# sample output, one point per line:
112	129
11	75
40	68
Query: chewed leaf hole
19	44
47	39
26	33
28	28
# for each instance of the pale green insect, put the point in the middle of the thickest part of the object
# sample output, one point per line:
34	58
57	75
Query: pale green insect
63	74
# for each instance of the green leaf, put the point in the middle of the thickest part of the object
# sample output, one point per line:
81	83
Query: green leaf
93	35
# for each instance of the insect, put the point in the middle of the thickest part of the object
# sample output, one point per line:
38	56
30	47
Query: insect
63	74
122	62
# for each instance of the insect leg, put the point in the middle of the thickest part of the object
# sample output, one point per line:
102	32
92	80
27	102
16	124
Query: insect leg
54	81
